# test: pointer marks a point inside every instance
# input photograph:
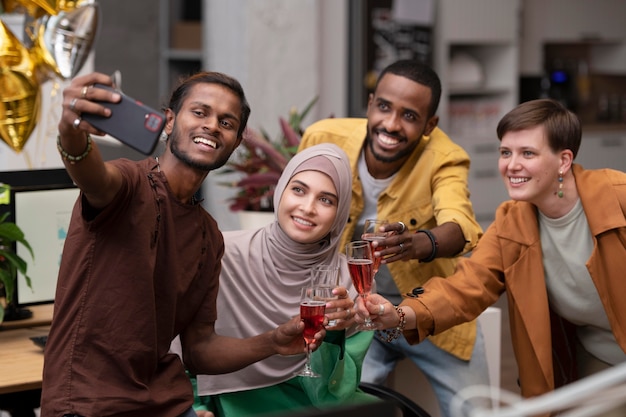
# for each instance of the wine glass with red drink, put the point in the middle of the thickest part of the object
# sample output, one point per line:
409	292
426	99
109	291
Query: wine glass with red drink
372	233
326	276
360	262
312	310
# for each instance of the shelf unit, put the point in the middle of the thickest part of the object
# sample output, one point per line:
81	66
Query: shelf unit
469	112
177	59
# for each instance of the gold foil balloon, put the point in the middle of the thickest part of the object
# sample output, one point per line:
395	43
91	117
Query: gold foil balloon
63	42
19	91
11	50
34	8
14	56
69	5
19	108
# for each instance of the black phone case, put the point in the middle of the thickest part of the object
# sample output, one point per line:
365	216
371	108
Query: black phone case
131	122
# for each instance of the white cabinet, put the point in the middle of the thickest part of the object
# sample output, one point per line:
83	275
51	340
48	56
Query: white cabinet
461	30
603	149
485	184
562	21
575	20
486	31
480	21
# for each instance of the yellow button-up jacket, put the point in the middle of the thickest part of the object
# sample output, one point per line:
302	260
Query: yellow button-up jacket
429	190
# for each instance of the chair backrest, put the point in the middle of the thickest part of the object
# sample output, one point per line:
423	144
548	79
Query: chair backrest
409	407
591	396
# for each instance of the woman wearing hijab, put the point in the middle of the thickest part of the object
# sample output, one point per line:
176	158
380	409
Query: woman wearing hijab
262	273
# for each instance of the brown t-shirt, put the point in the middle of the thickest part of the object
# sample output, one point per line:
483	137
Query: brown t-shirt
130	280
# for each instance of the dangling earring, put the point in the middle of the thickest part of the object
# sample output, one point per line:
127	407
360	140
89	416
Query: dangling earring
560	192
163	136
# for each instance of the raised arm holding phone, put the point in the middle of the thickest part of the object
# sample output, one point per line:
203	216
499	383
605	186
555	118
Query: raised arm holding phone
142	259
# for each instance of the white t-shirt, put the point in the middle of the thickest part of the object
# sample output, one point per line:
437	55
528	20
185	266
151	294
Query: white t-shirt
567	245
372	188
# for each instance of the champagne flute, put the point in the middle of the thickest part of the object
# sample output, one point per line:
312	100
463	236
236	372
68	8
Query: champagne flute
372	233
312	310
326	276
359	255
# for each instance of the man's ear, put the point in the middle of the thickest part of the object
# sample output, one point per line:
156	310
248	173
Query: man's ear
240	138
431	124
170	118
370	99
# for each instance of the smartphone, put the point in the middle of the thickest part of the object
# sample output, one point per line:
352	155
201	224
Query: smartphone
131	122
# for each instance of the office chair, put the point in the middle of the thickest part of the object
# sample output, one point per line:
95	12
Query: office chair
588	397
408	407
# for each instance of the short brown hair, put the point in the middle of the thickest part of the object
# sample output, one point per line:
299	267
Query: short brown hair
561	126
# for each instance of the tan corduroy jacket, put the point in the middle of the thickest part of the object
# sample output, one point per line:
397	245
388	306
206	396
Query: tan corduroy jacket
509	258
430	189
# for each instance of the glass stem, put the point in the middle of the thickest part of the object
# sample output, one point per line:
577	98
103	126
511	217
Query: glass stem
368	320
307	365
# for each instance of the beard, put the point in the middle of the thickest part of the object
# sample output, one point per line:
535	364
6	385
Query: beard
401	154
184	157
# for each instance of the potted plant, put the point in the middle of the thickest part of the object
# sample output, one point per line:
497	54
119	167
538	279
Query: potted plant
10	262
262	160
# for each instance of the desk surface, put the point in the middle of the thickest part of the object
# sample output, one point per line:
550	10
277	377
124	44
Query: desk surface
21	361
42	316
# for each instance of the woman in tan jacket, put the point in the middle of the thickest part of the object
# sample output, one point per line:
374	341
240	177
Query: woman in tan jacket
558	249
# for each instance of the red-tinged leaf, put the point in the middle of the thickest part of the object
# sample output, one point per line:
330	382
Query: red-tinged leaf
292	138
268	178
274	157
262	160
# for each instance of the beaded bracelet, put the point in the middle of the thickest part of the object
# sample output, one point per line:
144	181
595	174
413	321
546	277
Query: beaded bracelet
71	158
390	335
433	242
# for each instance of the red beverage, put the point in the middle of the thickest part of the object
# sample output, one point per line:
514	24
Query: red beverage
371	239
361	273
312	314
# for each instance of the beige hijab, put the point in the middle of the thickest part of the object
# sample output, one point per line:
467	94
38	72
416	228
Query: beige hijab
263	271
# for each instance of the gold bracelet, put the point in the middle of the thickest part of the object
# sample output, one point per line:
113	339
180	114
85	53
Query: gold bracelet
71	158
390	335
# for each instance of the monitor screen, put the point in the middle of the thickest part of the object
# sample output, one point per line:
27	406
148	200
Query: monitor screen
41	203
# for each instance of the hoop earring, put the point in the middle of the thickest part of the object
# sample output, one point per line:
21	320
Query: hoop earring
560	192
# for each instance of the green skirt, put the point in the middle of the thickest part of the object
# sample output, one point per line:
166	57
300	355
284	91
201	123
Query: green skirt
337	360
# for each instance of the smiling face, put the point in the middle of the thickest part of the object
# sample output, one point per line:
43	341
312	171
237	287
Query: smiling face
397	115
204	132
530	168
308	207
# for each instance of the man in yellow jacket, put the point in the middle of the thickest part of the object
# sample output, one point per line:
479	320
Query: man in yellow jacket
407	170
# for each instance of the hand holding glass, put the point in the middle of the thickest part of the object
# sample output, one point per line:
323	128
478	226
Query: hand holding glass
312	310
326	276
372	233
359	255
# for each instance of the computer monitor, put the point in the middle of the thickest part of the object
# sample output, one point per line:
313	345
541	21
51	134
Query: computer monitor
41	203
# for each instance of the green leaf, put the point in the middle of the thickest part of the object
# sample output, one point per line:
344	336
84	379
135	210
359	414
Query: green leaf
7	276
9	231
10	262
